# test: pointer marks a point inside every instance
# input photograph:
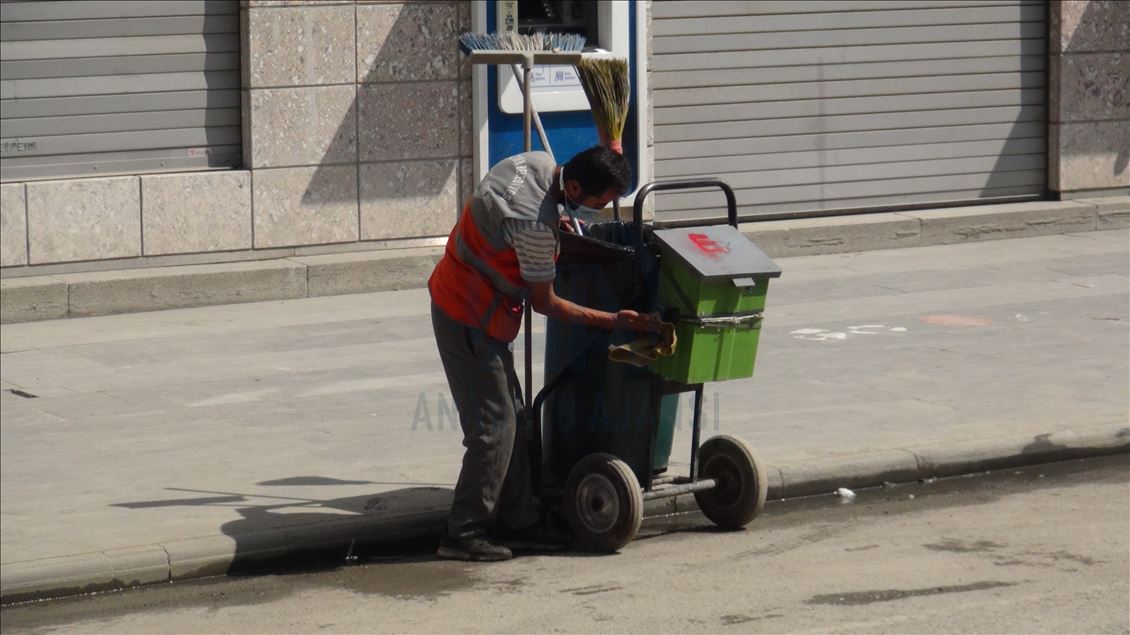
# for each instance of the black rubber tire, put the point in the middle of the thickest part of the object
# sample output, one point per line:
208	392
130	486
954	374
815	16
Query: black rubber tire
603	502
742	486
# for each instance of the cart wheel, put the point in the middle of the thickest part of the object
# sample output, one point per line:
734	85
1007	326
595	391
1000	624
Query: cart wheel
603	502
742	486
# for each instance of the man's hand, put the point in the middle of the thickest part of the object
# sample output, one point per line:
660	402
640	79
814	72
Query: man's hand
628	319
567	225
546	302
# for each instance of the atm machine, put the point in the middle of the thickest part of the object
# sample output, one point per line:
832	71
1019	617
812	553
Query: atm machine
616	26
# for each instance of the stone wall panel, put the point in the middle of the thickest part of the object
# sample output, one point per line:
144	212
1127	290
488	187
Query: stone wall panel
293	127
417	120
1081	26
196	212
300	46
84	219
408	198
13	225
1092	86
305	206
1089	155
407	42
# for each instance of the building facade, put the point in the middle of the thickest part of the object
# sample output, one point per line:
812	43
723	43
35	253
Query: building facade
216	131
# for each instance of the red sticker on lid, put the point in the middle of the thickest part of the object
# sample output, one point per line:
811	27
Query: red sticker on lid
707	246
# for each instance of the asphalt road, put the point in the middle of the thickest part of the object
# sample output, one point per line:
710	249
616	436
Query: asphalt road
1040	550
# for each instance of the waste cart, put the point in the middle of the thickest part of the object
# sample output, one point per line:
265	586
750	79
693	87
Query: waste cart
601	432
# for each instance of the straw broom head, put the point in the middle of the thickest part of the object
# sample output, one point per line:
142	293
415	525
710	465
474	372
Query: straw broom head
514	41
605	80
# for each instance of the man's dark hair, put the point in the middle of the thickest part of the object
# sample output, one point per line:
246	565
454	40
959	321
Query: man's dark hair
598	170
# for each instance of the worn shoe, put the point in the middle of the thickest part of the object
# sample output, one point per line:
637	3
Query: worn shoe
473	549
534	538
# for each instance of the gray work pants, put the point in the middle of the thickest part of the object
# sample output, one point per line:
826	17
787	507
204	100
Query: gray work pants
494	487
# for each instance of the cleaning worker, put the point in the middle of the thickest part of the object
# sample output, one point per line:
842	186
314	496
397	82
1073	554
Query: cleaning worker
500	255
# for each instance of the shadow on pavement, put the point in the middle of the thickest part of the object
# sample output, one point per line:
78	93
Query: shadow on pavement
296	532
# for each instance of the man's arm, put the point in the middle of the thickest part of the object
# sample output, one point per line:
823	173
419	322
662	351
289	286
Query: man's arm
545	301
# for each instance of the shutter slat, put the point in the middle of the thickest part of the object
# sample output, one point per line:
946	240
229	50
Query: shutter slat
106	9
667	202
110	46
830	128
861	204
107	163
850	88
121	65
117	84
842	18
845	106
722	166
124	27
152	120
831	54
676	9
840	72
198	137
108	104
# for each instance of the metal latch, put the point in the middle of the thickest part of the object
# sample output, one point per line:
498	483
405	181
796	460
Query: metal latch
750	320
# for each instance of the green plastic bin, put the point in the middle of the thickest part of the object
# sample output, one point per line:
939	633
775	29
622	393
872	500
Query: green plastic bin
713	281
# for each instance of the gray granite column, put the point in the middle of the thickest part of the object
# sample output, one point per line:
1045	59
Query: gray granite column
300	121
1088	95
357	119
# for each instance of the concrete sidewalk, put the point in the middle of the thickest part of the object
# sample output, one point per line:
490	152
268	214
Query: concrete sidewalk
48	292
146	447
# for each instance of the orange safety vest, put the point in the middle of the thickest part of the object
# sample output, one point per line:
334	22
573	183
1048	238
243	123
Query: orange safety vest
477	284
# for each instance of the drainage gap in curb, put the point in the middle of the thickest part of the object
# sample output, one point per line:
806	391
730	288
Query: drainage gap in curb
20	393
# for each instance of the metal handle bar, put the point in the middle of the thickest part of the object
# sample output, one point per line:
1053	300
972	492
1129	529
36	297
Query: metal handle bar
686	184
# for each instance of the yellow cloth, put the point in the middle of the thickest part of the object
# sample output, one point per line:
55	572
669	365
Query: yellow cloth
647	349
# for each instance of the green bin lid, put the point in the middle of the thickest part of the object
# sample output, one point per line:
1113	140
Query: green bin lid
716	252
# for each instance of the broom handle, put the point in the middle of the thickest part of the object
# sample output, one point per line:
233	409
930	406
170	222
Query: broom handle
533	113
527	112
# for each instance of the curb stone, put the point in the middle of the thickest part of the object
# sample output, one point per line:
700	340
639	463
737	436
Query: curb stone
217	555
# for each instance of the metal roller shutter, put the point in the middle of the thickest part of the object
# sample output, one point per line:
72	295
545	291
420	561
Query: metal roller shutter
111	87
842	106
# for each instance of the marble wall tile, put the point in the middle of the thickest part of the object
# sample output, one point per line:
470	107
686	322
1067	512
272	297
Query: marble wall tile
300	45
464	26
466	119
13	225
1079	26
406	199
303	126
407	42
84	219
1090	86
1088	155
466	181
196	212
305	206
293	3
408	121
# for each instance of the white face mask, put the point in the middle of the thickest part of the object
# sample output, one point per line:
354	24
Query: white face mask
575	209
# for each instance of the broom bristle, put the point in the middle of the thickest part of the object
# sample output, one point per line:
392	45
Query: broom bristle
606	84
514	41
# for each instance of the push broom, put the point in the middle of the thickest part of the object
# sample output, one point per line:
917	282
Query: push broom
607	87
513	41
513	48
605	80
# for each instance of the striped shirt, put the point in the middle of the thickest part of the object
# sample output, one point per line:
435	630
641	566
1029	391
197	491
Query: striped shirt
536	245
